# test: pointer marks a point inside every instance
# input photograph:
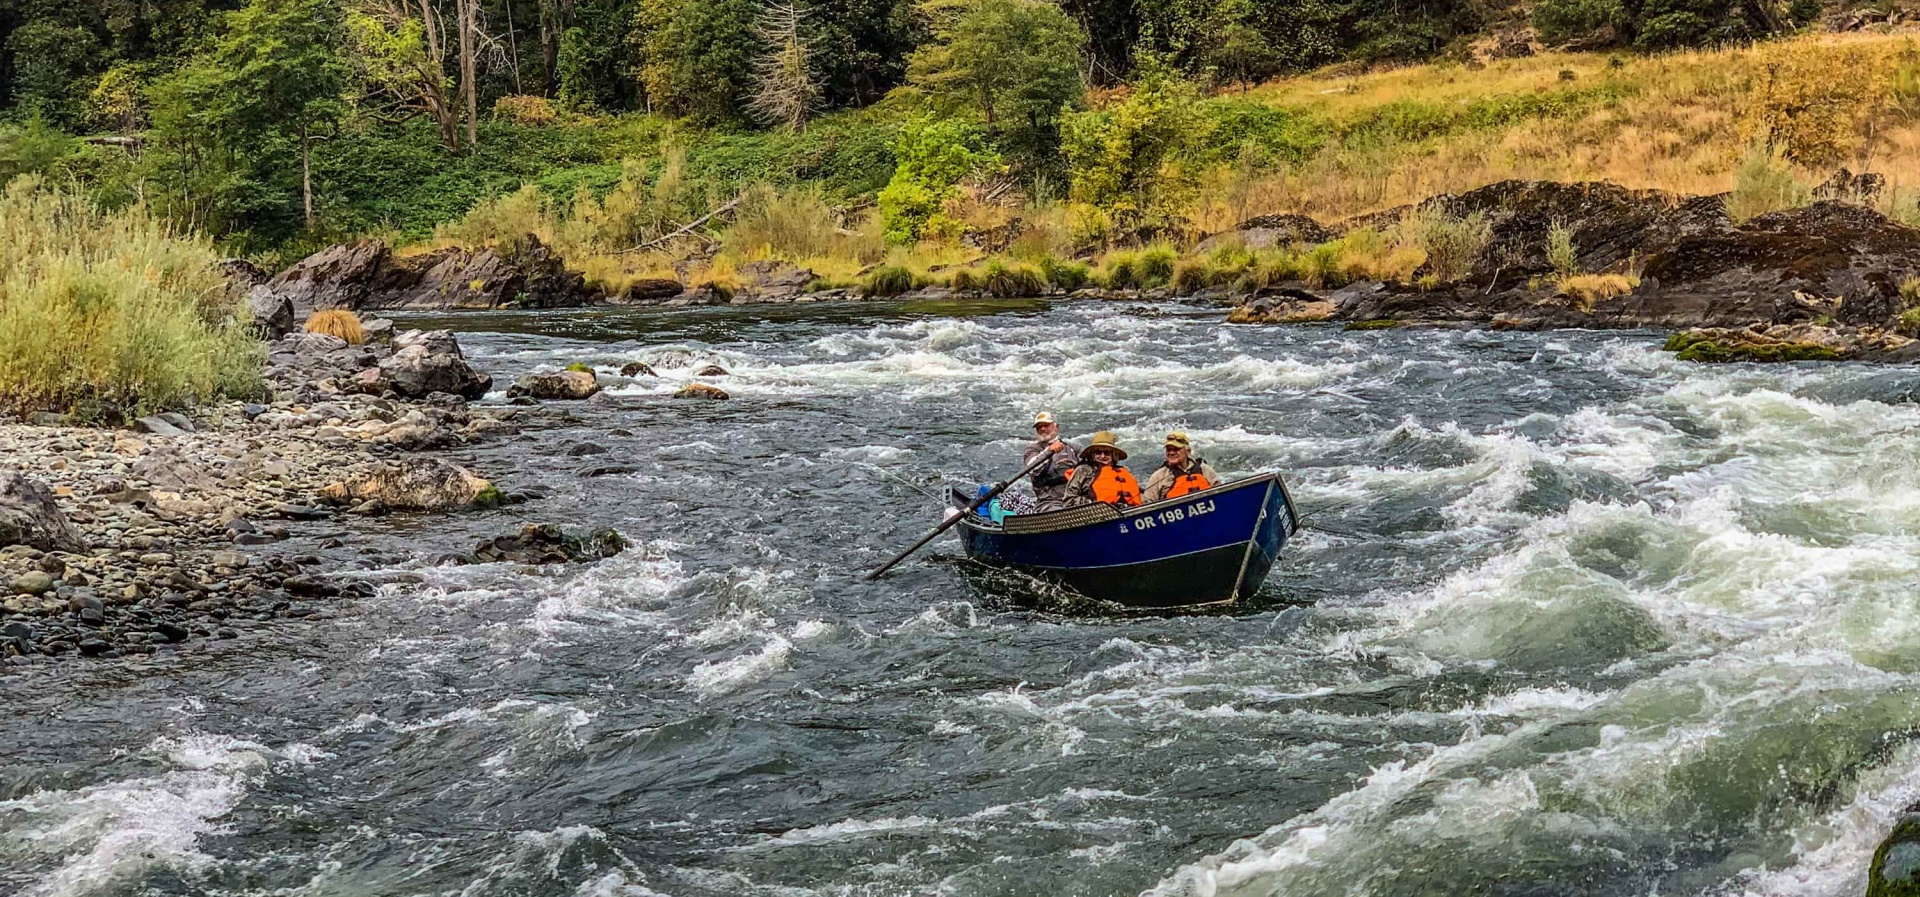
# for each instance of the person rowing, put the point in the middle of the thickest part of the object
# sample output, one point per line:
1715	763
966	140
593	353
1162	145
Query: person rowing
1182	473
1050	481
1100	476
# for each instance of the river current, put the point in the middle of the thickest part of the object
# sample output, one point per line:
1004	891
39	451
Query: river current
1569	618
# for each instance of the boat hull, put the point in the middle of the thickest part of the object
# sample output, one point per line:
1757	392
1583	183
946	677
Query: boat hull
1211	547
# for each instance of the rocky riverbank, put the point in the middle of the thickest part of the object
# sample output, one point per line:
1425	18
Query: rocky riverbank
1834	279
117	542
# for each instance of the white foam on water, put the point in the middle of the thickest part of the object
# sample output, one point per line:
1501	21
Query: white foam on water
715	678
101	836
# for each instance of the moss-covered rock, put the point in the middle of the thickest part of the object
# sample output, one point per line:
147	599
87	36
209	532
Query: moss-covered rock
1376	324
1895	871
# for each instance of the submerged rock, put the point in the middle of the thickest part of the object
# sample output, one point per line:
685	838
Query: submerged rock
545	543
415	484
28	516
1785	342
701	391
712	370
1895	870
569	384
637	368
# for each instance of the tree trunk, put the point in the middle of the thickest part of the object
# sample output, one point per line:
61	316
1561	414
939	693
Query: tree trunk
306	173
468	88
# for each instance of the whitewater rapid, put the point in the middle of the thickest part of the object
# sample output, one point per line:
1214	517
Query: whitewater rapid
1571	617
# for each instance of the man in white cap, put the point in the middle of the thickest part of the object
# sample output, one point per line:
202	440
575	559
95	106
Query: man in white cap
1050	481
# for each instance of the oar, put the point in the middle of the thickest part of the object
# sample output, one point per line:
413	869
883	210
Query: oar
950	521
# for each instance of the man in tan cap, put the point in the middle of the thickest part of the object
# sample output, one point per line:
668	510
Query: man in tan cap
1050	481
1100	476
1183	473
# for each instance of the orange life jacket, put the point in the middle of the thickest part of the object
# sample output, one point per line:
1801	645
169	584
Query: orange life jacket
1113	485
1191	481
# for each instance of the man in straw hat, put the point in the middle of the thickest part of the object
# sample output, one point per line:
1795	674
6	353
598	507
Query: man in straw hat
1100	478
1050	481
1182	473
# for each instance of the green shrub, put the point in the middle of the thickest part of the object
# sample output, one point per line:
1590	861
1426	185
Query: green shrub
932	156
1560	251
111	315
1120	270
1763	183
1452	244
1065	275
1015	281
1562	21
1193	275
964	280
887	280
580	367
1155	267
1321	266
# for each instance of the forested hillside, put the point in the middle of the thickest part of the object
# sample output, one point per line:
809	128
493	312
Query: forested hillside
276	125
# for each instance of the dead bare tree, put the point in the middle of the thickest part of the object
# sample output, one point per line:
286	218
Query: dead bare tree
784	90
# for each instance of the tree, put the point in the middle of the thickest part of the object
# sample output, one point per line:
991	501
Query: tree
275	78
1130	162
696	56
1237	51
1016	61
932	156
400	60
784	92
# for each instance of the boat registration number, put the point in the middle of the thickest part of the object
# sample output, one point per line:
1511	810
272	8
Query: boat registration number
1170	515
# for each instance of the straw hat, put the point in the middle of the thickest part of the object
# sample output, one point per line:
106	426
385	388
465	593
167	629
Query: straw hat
1103	440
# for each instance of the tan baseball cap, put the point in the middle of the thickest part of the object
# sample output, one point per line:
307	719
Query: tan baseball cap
1044	417
1178	439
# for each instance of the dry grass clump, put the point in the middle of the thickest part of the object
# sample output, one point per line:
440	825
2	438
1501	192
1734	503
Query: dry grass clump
337	322
112	314
1583	290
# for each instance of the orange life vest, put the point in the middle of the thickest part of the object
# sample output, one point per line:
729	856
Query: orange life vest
1191	481
1113	485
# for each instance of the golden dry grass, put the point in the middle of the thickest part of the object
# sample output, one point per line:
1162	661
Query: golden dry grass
337	322
1681	122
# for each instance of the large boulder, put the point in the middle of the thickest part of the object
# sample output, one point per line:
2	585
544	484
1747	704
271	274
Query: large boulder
1268	231
273	314
701	391
339	276
415	484
545	543
556	385
549	282
429	361
28	516
648	290
771	281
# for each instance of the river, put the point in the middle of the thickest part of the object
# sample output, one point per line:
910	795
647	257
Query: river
1570	617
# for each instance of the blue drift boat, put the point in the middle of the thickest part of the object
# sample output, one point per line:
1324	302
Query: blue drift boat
1212	547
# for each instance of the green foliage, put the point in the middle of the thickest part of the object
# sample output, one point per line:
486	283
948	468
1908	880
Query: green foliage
1130	161
1016	280
1563	21
1452	245
580	367
33	148
111	314
696	56
1016	61
964	280
231	125
887	280
1763	183
1375	324
932	157
1066	275
595	62
1280	135
1560	250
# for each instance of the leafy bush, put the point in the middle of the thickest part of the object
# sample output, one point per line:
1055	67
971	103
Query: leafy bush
337	322
1013	281
1563	21
1131	162
932	156
111	314
1065	275
1763	184
1560	250
527	111
1451	244
887	280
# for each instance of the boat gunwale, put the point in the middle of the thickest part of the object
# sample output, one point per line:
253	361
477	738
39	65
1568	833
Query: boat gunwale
995	529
